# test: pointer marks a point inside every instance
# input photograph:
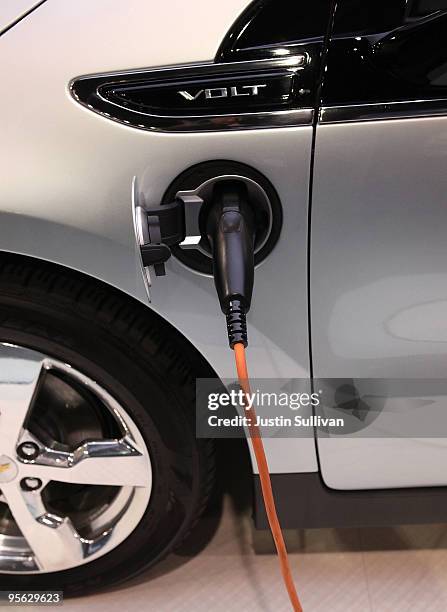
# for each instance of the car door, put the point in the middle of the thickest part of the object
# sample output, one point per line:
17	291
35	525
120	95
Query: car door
378	249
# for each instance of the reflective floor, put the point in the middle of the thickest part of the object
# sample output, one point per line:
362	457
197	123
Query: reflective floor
392	569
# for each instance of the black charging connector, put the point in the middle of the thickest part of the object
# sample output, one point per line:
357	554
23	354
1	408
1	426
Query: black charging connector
229	224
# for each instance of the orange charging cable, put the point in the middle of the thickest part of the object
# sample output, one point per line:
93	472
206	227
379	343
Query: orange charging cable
266	485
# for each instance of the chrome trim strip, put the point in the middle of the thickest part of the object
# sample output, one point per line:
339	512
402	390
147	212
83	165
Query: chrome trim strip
87	91
214	123
381	111
294	62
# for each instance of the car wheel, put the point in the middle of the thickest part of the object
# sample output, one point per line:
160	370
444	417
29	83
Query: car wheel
100	471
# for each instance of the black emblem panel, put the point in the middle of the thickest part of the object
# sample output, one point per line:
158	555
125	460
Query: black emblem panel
236	93
206	97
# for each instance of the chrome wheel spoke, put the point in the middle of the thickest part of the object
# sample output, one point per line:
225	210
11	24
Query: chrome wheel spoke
19	379
53	539
102	462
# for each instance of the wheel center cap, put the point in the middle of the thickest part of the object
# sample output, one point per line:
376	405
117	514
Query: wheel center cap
8	469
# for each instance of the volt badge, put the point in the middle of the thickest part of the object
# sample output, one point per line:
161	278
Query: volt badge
222	92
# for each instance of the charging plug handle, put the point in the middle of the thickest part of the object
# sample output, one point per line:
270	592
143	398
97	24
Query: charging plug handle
230	229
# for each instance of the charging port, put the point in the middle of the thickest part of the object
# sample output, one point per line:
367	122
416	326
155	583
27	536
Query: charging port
195	187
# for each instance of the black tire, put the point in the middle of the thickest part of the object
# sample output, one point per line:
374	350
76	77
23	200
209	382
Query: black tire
118	343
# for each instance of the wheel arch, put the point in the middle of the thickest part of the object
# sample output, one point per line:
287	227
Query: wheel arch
196	361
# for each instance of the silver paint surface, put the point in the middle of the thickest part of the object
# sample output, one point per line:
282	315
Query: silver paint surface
379	283
66	177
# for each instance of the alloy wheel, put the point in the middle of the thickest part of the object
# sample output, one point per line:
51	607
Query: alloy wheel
75	472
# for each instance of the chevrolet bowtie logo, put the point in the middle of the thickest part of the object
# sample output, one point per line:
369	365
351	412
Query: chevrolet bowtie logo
4	467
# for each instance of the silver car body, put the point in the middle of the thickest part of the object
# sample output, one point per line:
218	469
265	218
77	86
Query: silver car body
67	176
66	197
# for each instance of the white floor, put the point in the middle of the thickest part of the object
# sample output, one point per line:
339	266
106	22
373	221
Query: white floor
392	569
